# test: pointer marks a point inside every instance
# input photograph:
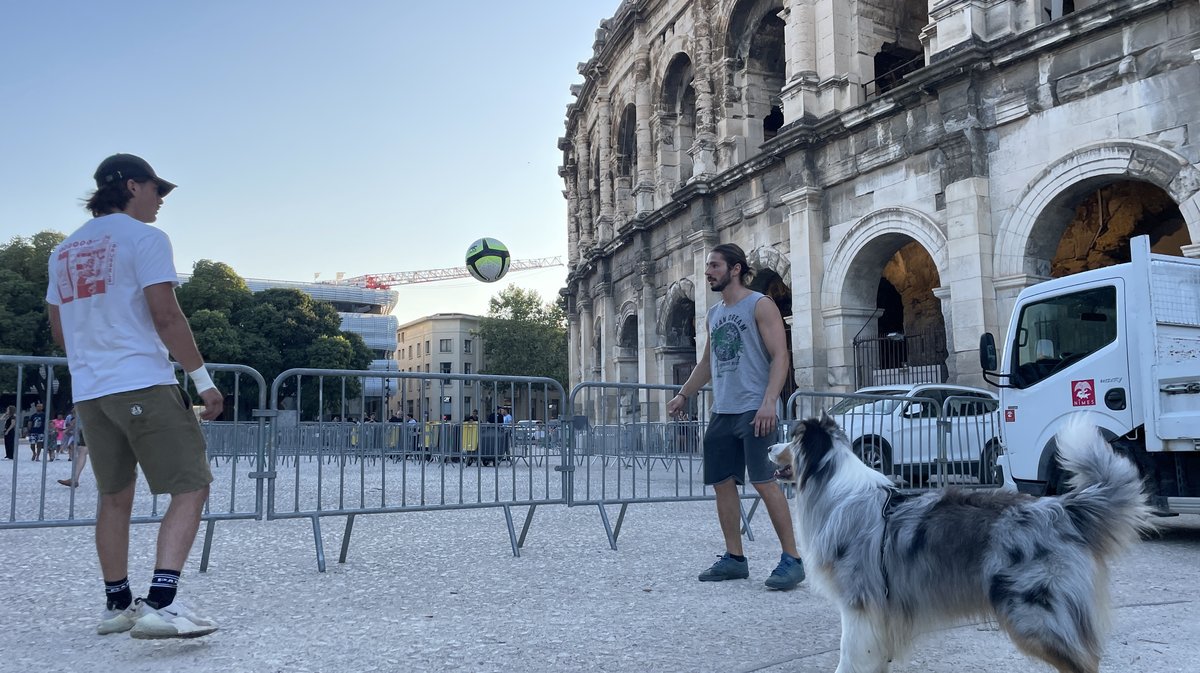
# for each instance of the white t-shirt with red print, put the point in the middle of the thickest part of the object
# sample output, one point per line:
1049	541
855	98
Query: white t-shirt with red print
96	279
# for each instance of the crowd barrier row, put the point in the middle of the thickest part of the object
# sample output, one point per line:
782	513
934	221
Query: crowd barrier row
306	447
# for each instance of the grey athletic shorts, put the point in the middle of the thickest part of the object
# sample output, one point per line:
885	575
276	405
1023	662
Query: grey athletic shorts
732	450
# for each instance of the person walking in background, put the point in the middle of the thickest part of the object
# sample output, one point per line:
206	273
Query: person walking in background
78	450
10	433
59	425
112	309
35	427
747	361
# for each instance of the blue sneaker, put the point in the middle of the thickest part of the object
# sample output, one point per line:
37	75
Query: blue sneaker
787	574
726	568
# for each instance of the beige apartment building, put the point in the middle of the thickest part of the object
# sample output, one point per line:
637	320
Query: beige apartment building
442	343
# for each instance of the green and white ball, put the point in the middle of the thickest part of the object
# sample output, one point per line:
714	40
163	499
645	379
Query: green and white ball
487	260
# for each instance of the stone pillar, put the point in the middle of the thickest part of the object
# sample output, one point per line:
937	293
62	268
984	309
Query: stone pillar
799	94
647	329
1191	216
953	371
840	88
972	302
604	128
574	368
571	193
953	23
806	232
586	323
587	211
704	147
643	96
608	328
700	244
842	323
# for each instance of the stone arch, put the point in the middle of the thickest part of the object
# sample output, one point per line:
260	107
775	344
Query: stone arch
677	119
1023	250
872	239
626	316
767	258
681	293
755	52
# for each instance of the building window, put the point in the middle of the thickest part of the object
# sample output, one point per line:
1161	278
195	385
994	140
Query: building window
466	367
418	350
445	367
466	345
427	348
444	345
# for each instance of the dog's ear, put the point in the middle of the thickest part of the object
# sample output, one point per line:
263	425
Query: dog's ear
826	421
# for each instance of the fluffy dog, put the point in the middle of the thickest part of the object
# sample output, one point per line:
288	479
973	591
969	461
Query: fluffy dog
898	564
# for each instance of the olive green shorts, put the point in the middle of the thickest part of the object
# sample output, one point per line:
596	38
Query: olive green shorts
153	427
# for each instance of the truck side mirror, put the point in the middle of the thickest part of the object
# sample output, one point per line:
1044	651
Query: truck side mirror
987	352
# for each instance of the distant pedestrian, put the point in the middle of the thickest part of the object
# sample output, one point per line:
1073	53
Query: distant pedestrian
79	451
10	433
35	427
113	310
59	425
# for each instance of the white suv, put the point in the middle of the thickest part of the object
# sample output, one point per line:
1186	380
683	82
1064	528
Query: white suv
899	437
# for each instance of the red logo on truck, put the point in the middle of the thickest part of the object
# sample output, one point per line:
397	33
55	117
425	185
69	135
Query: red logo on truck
1083	393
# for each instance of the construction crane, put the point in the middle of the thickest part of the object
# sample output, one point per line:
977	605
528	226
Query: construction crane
382	281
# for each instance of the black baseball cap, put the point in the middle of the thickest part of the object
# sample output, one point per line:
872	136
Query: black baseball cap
121	167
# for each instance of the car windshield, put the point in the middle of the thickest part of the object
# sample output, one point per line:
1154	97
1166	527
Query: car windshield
853	405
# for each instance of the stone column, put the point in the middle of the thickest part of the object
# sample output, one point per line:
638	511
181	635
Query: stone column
643	187
604	128
842	323
647	328
608	342
806	232
701	243
840	87
575	371
704	146
953	23
586	323
800	42
584	187
571	193
972	300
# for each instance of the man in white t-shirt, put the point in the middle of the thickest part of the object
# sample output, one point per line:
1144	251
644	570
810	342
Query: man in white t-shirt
113	310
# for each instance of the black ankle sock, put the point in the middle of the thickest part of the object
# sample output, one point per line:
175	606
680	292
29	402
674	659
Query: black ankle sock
162	588
735	557
118	594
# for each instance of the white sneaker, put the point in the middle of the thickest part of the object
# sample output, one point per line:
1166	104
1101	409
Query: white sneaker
176	620
117	621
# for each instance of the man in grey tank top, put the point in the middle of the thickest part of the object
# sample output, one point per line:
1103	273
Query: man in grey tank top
747	361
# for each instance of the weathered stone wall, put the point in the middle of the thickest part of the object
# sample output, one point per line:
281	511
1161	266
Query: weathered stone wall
959	183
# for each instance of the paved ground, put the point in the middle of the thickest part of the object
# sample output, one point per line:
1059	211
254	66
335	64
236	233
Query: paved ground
442	592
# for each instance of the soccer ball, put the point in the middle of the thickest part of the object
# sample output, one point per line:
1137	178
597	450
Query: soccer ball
487	260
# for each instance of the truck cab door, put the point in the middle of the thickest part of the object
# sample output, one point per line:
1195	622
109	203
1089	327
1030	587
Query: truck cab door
1068	353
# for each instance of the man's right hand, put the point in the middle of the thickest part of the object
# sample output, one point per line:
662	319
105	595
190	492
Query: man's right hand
214	404
677	406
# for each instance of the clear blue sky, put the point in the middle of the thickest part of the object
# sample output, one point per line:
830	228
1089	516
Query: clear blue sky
360	136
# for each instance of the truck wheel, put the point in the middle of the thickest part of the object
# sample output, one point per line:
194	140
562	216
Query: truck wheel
989	466
875	453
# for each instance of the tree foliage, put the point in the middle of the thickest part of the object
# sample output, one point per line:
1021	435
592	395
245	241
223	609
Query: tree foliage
522	336
24	326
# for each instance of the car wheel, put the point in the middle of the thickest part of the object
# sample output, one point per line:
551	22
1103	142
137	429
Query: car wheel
989	466
875	453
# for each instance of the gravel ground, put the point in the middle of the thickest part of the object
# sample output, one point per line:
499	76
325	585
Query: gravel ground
441	591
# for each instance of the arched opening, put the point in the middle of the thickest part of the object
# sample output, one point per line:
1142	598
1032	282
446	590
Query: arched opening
679	340
626	159
1105	217
768	282
904	339
893	40
755	42
627	349
678	121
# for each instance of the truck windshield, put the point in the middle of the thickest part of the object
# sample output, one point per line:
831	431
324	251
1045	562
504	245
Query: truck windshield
1058	332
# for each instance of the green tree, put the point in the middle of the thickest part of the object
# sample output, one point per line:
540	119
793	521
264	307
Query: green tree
214	286
24	326
522	336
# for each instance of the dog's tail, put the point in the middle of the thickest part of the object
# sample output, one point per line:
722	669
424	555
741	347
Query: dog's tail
1106	502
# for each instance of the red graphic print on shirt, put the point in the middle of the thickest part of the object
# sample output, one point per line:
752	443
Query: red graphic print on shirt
84	269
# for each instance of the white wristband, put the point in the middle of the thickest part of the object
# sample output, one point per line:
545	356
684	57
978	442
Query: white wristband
202	380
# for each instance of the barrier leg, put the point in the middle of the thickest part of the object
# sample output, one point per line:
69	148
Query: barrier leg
208	535
746	519
525	526
620	520
612	539
346	538
316	520
512	532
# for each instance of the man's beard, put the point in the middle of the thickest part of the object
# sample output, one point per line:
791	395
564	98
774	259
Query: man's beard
719	284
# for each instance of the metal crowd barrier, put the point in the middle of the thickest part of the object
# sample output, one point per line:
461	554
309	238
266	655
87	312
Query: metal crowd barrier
236	448
918	442
625	450
324	467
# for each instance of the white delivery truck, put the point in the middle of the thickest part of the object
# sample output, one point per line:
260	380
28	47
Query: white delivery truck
1122	342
